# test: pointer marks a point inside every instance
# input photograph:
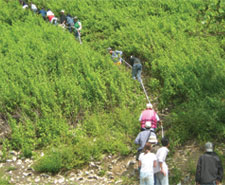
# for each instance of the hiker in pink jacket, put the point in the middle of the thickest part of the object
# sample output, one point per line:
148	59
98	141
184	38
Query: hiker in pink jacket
149	115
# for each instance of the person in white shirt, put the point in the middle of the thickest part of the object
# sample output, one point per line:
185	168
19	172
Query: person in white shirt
33	7
146	163
25	6
161	170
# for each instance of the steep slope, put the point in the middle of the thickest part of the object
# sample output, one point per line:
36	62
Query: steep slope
70	99
56	93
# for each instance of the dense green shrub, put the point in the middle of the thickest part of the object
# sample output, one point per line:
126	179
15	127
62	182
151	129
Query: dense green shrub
51	88
54	91
50	163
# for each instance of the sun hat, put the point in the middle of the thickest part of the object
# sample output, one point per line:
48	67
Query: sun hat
149	106
153	139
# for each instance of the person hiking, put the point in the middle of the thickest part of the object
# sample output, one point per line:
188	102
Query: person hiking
77	27
69	22
142	138
21	2
161	169
33	7
116	56
149	115
136	68
25	5
146	164
51	17
209	168
43	13
62	18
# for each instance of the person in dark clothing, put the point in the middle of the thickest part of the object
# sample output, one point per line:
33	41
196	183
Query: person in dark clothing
43	13
62	17
21	2
136	68
209	168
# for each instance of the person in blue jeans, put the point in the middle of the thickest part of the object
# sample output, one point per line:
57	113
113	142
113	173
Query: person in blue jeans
161	170
136	68
69	22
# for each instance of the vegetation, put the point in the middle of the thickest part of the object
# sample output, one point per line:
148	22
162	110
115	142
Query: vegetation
3	180
72	101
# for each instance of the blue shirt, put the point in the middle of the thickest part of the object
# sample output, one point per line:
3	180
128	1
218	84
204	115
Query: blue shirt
42	12
116	56
69	21
142	138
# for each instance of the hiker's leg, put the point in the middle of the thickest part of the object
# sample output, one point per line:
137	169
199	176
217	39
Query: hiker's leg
134	71
164	179
139	70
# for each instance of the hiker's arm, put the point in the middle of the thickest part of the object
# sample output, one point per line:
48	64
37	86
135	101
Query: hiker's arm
79	27
137	140
161	168
154	164
139	164
220	172
198	172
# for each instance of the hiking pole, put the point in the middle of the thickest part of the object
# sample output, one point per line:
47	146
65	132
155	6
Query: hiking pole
162	132
127	63
145	91
79	38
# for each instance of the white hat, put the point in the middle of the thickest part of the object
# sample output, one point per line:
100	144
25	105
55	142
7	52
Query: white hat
148	124
62	11
153	139
209	147
149	106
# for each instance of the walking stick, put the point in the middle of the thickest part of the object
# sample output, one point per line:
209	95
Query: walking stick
127	63
79	37
162	132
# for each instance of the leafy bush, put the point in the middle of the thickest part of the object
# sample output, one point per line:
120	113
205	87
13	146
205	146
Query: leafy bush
51	162
54	91
175	176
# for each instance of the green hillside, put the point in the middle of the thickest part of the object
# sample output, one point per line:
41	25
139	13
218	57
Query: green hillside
70	100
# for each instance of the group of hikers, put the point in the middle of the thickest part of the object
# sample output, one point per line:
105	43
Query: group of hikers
153	169
135	63
65	21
